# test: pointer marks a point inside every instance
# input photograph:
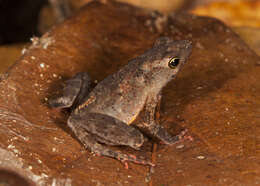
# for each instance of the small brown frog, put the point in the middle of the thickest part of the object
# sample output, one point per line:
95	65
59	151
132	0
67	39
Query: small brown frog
102	116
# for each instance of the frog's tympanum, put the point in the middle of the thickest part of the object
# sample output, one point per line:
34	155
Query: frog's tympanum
103	116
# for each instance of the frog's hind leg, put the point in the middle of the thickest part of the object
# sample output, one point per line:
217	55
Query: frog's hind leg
73	93
90	128
108	130
90	143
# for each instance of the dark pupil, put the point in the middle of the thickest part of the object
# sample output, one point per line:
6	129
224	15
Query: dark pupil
175	62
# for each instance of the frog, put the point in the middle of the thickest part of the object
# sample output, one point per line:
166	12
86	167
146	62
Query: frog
102	116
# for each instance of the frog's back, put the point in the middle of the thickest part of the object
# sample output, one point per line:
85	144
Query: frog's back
121	95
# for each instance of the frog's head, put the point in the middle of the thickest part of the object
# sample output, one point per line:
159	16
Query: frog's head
166	58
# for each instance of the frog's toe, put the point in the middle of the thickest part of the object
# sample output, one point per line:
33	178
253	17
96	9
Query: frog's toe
124	158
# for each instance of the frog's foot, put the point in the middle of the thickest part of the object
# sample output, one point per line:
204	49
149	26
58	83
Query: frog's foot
124	158
73	91
166	138
178	138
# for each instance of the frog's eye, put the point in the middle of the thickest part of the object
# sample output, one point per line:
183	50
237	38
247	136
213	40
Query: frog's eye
173	63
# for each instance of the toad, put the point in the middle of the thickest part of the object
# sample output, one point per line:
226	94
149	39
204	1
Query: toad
103	116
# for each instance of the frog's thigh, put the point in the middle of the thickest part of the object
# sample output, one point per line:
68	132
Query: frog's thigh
73	91
104	141
108	130
89	141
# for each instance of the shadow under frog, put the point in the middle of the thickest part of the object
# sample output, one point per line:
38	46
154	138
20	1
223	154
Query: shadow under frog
103	116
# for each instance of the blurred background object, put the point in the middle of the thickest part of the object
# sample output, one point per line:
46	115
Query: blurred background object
234	13
251	36
22	20
18	20
61	9
165	6
242	15
8	55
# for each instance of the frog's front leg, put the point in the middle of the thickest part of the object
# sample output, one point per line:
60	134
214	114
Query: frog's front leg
155	129
73	93
92	129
